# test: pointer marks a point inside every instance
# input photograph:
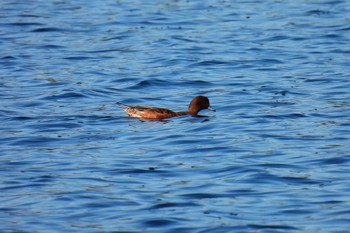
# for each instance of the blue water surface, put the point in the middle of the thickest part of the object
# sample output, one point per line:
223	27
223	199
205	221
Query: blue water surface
274	157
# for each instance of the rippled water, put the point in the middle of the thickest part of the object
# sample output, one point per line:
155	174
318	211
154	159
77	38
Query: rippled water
273	158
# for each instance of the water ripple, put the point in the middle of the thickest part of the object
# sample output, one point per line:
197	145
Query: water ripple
273	158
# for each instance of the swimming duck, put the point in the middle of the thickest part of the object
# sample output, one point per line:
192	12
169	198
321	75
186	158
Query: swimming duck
152	113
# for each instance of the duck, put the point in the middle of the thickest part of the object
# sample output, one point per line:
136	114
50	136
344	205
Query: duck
197	104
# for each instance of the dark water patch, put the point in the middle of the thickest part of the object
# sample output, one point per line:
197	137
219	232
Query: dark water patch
14	229
294	137
37	141
49	29
270	61
199	196
267	69
302	181
243	192
181	229
331	161
332	36
32	118
317	79
91	180
280	165
183	141
30	104
9	61
344	29
211	63
296	211
29	186
300	38
196	83
275	38
339	213
268	178
98	205
112	50
122	79
186	39
8	58
25	24
285	116
150	170
29	16
318	12
158	222
119	37
16	164
45	178
340	51
172	205
153	83
334	2
53	118
148	83
273	104
50	82
51	46
53	127
78	58
331	202
345	123
8	113
68	95
272	227
222	228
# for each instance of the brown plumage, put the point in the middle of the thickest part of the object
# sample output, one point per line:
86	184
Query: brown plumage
143	112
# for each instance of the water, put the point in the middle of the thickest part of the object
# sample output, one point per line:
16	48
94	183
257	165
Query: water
273	158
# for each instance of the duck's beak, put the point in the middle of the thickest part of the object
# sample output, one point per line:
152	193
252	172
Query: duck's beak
211	109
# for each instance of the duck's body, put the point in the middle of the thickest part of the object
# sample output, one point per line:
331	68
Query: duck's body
153	113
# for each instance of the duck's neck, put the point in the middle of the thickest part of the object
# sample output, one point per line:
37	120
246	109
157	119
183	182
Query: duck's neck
187	113
182	113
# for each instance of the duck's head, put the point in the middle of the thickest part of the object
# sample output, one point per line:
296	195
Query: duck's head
199	103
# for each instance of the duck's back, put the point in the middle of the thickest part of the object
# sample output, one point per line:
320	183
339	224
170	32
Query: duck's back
149	112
